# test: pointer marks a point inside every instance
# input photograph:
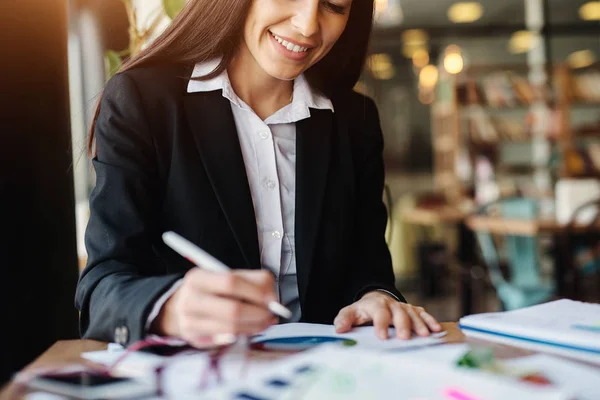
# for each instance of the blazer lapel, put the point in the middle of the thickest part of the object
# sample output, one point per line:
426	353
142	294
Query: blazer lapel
213	127
313	146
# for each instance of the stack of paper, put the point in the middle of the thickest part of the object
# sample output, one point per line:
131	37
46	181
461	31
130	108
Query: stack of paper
564	327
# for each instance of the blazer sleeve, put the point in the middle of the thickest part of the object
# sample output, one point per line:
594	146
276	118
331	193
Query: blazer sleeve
371	269
123	277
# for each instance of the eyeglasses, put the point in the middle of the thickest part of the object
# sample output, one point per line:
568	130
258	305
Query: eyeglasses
173	351
165	347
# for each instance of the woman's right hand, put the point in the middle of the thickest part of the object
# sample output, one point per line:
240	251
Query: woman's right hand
209	304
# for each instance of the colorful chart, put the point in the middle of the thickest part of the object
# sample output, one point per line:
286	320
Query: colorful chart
590	328
299	343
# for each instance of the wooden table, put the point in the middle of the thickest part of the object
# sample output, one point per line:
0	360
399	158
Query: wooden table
524	227
68	352
562	235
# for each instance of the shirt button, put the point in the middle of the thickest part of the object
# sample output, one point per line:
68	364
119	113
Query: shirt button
264	135
270	184
276	234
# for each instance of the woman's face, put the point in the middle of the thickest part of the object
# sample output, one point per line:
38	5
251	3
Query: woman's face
286	37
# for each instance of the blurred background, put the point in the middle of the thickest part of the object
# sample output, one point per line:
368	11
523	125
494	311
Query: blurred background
491	117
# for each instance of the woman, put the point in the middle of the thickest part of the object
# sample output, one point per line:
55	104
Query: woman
265	158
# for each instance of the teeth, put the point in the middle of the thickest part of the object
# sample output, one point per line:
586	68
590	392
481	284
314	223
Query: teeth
288	45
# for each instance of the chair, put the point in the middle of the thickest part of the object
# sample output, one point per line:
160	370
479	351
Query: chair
582	241
524	285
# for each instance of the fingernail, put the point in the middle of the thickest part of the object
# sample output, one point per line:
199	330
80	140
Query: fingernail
221	339
404	333
382	334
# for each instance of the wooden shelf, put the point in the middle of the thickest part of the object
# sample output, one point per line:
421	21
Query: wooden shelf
481	106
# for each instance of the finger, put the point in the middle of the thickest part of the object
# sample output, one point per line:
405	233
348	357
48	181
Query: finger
195	330
225	309
210	341
345	319
401	321
431	322
381	321
262	278
229	284
417	322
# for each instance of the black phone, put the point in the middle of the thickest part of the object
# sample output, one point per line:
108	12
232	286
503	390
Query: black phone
91	385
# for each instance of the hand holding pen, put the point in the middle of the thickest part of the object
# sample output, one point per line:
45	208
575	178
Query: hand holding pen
215	304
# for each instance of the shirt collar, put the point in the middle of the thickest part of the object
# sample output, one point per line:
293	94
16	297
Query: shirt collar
304	97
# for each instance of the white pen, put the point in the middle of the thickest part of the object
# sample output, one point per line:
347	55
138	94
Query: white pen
204	260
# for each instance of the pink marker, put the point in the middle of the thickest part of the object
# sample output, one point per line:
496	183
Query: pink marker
458	394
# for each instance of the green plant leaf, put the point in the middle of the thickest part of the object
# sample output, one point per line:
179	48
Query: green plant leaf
112	63
172	7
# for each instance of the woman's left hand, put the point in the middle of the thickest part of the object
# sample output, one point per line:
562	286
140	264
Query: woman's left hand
383	310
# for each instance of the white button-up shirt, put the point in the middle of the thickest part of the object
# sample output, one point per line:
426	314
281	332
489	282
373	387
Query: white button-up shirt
269	152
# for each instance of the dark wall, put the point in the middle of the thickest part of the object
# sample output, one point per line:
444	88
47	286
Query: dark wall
38	259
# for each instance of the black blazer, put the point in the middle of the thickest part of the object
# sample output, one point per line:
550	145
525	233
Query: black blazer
171	160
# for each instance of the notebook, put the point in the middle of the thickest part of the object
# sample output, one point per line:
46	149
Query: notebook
564	327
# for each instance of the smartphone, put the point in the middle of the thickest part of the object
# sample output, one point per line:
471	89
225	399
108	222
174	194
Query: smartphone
91	385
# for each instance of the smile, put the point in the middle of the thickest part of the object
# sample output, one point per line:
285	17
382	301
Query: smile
289	45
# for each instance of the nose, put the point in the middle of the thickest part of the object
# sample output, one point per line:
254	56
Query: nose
306	17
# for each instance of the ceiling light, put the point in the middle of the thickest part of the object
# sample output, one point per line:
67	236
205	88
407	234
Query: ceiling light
465	12
420	58
381	5
581	59
381	66
415	37
388	13
409	50
453	63
428	76
590	11
521	42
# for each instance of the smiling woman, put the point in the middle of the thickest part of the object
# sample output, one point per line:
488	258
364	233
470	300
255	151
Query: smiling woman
238	129
209	29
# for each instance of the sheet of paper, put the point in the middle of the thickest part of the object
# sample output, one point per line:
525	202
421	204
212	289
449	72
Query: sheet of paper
448	354
44	396
535	346
363	336
333	372
580	379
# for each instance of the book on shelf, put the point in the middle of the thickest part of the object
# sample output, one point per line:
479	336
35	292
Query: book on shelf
585	87
492	129
506	89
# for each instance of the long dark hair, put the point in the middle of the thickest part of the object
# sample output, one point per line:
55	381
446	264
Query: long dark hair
207	29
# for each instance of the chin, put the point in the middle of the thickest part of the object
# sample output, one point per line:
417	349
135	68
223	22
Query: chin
284	74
